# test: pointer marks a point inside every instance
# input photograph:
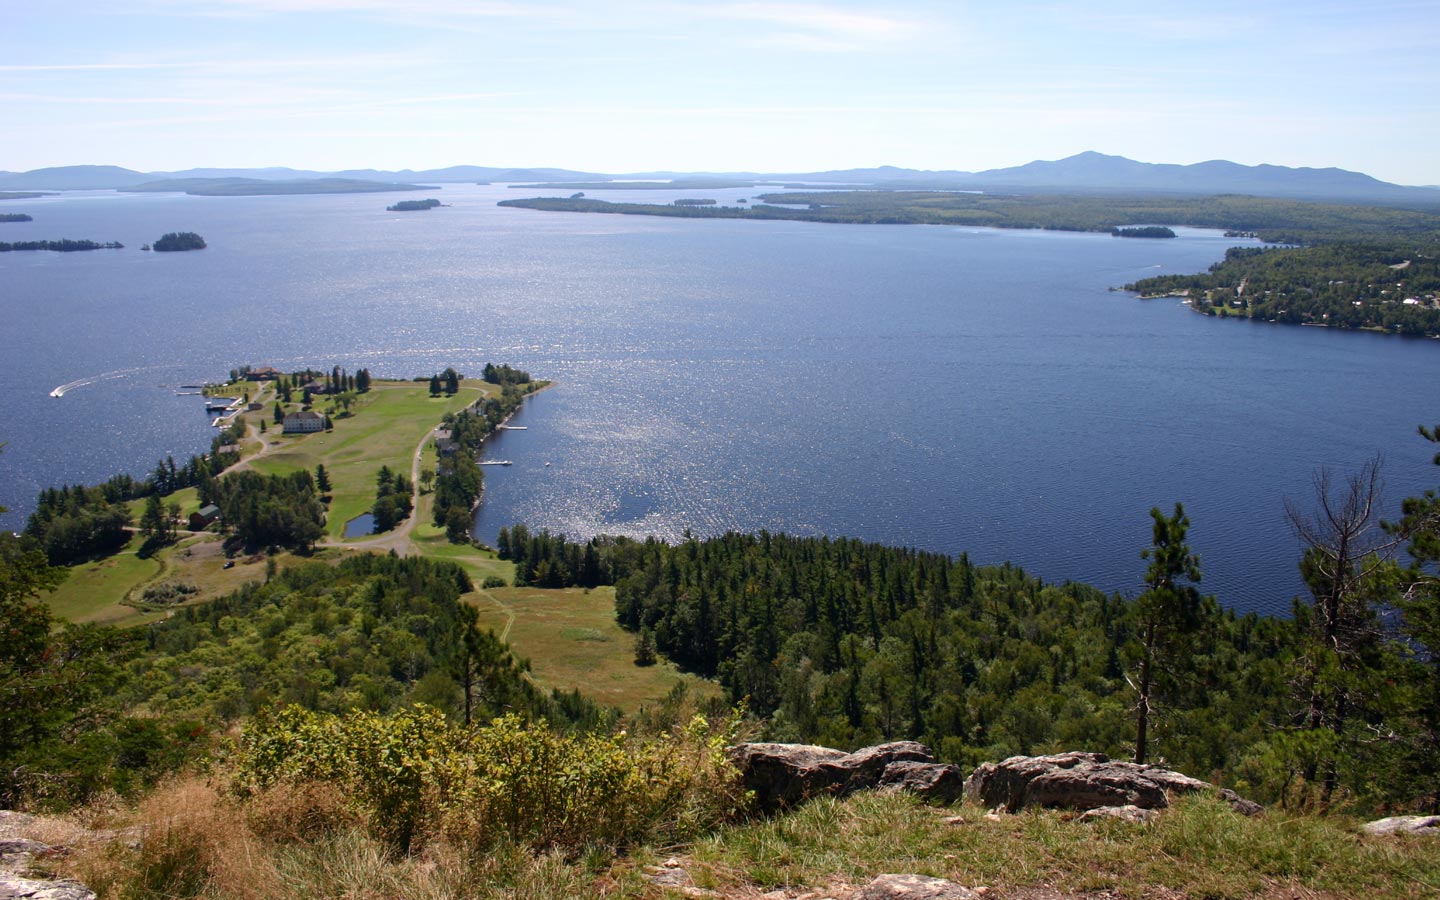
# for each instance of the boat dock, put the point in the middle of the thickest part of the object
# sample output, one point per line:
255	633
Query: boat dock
512	427
496	462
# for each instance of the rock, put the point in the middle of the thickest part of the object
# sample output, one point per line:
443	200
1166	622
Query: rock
915	887
1136	814
14	887
783	775
933	781
1403	825
18	854
1085	781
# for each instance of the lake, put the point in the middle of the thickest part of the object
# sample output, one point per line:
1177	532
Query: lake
956	389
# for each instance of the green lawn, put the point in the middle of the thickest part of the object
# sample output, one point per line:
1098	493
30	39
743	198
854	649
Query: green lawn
572	640
91	592
384	429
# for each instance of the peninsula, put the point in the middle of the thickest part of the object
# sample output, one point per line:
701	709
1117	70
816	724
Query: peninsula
64	245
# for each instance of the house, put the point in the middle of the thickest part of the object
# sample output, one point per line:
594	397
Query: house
255	406
201	519
304	422
446	446
262	373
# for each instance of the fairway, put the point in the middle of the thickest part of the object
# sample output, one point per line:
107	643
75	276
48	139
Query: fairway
386	425
573	642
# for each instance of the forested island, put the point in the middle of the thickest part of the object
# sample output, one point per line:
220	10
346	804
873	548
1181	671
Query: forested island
179	240
1143	231
65	245
413	205
15	217
24	195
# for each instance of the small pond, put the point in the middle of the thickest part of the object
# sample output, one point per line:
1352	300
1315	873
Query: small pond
360	526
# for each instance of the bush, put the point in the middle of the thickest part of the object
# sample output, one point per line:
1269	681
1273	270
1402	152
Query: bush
413	775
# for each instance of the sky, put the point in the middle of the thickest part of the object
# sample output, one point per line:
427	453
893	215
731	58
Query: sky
623	87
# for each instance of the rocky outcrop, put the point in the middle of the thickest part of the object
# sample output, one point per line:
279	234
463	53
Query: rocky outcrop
19	854
1403	825
782	775
915	887
1085	781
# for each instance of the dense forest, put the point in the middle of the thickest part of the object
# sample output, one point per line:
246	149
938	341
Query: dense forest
845	643
95	709
1392	287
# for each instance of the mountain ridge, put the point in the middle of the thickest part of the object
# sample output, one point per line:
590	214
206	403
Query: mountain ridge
1089	171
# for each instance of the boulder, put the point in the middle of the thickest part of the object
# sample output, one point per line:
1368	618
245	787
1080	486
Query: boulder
915	887
1403	825
1085	781
783	775
932	781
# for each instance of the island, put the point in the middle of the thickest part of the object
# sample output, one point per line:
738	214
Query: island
179	240
259	187
1143	231
24	195
15	217
65	245
413	205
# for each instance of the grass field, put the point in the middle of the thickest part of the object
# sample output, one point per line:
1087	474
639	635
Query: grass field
385	427
91	592
572	640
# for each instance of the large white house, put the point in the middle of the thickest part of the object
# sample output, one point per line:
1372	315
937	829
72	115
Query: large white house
303	422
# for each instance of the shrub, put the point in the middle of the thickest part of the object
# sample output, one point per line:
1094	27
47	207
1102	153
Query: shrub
413	774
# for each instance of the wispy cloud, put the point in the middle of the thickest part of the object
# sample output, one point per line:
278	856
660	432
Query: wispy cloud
81	67
816	26
452	8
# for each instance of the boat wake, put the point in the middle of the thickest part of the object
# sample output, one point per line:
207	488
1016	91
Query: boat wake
63	389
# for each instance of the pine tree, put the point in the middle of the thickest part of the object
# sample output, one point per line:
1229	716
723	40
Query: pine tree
1166	614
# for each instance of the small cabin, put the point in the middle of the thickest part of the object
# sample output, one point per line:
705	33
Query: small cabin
204	517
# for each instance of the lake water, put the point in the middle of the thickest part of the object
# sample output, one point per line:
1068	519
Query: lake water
955	389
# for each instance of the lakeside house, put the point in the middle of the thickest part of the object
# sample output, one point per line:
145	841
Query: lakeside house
203	517
303	422
262	373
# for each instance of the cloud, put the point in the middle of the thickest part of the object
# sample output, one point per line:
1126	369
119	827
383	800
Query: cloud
455	8
816	26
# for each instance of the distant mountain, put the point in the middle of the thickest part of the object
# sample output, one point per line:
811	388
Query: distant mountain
74	178
1098	172
1088	172
255	187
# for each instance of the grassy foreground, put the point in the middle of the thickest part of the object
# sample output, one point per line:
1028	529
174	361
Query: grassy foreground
202	842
